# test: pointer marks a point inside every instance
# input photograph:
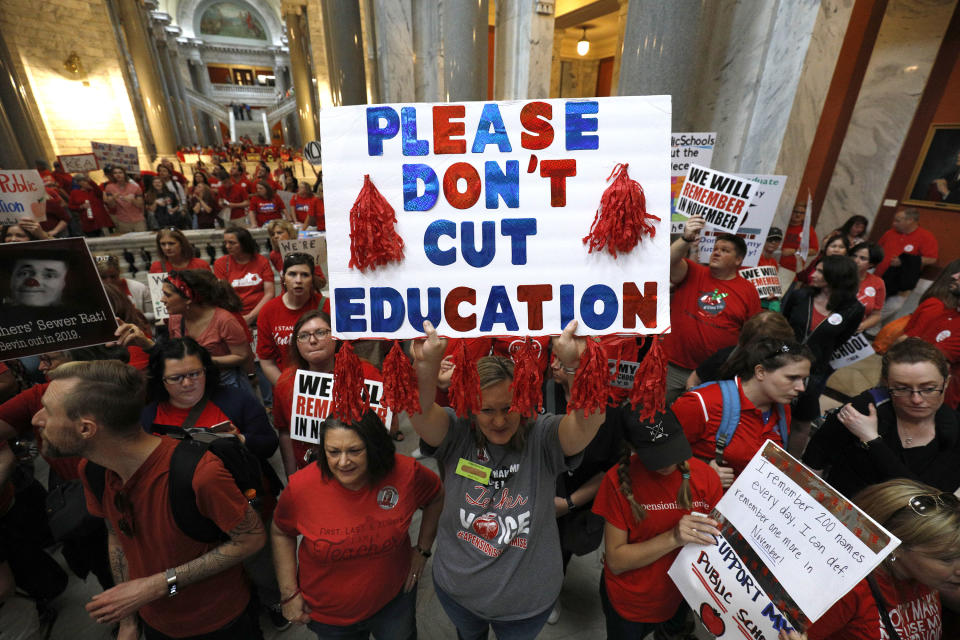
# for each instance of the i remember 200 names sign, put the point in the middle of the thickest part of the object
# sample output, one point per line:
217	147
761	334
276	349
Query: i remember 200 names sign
492	202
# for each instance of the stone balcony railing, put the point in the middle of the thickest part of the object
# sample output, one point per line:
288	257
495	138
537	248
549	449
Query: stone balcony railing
246	94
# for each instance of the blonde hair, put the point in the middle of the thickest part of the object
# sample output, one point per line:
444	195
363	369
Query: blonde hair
684	498
937	533
493	370
283	224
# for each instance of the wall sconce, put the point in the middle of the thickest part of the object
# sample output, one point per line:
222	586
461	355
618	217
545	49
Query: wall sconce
74	66
583	46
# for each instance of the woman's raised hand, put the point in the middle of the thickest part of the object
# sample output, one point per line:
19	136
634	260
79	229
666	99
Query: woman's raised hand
431	348
568	347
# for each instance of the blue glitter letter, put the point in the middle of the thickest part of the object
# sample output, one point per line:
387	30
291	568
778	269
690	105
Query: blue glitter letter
499	311
348	302
566	305
414	314
408	123
434	254
488	246
377	134
518	229
491	118
576	125
379	298
610	310
412	173
506	185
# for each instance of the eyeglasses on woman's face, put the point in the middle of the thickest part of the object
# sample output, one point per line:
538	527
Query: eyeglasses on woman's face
908	392
319	334
180	377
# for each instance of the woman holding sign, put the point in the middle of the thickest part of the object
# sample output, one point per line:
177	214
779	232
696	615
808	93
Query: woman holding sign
498	560
902	597
649	502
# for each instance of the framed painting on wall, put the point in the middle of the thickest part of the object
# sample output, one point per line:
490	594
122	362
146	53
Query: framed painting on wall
935	181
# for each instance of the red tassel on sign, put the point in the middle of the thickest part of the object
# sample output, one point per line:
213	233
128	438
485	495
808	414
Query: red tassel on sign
650	382
622	219
349	393
400	391
464	392
590	387
527	381
374	240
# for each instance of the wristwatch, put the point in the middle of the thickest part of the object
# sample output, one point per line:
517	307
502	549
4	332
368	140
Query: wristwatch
426	553
171	582
570	505
866	444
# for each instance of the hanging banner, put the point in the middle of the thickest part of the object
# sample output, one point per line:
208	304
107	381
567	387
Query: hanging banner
857	348
79	162
686	149
155	282
766	280
118	155
313	403
493	201
756	224
722	199
22	195
52	298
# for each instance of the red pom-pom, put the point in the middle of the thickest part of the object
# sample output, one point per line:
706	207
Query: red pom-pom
527	381
464	392
590	387
622	219
374	240
349	393
650	382
400	391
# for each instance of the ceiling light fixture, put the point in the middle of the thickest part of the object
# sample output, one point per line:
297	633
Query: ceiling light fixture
583	46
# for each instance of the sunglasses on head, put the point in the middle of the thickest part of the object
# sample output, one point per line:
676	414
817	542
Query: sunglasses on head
928	503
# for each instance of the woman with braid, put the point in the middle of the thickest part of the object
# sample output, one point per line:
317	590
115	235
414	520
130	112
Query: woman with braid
650	502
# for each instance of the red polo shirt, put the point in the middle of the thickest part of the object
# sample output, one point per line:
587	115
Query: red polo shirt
933	322
918	242
791	240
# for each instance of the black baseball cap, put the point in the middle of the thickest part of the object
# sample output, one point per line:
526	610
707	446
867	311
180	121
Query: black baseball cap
658	442
775	233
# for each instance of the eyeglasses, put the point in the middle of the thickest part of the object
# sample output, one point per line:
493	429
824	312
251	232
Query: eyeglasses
926	504
319	334
125	506
907	392
180	377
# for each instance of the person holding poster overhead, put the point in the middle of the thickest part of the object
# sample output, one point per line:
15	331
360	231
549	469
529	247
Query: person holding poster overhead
498	560
902	597
768	374
709	303
649	502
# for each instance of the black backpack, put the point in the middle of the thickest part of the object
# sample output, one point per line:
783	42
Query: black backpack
242	465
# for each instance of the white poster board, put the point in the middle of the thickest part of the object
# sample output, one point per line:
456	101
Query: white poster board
493	201
722	199
155	282
765	279
686	149
857	348
757	223
313	403
22	195
78	162
118	155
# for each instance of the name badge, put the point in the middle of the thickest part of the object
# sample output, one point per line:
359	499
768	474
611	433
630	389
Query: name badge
473	471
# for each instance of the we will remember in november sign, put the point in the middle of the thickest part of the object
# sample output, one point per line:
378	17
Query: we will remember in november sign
765	279
313	403
723	199
789	541
756	223
492	202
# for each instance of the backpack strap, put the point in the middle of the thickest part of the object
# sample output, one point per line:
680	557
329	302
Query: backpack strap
729	418
882	606
183	499
782	426
195	412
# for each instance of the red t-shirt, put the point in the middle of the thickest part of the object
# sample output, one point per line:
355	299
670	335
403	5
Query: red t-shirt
699	413
246	279
791	240
764	261
918	242
158	544
18	412
623	349
96	217
56	213
933	322
275	326
872	294
234	192
172	416
283	406
162	266
706	315
648	594
224	330
355	553
307	207
266	210
139	359
914	610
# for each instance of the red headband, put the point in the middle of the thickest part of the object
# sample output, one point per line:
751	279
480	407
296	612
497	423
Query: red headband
181	286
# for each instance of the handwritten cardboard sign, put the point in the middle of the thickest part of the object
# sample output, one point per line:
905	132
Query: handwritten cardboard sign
857	348
756	224
815	543
723	199
22	195
79	162
686	149
765	279
493	201
155	282
313	403
311	246
118	155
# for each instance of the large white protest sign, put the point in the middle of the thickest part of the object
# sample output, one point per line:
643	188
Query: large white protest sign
813	541
857	348
78	162
722	199
22	195
313	403
493	201
756	224
765	279
118	155
686	149
155	282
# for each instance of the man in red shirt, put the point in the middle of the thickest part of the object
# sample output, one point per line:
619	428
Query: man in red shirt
235	195
791	240
709	304
900	273
92	410
938	324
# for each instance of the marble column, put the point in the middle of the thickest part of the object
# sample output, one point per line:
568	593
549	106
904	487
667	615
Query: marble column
280	80
393	25
450	44
343	31
170	88
618	55
301	68
20	141
149	80
910	35
176	63
524	49
200	79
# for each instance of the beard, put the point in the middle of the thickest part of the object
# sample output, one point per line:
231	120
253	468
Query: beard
50	450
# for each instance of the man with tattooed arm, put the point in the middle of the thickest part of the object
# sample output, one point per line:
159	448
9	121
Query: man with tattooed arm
177	586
